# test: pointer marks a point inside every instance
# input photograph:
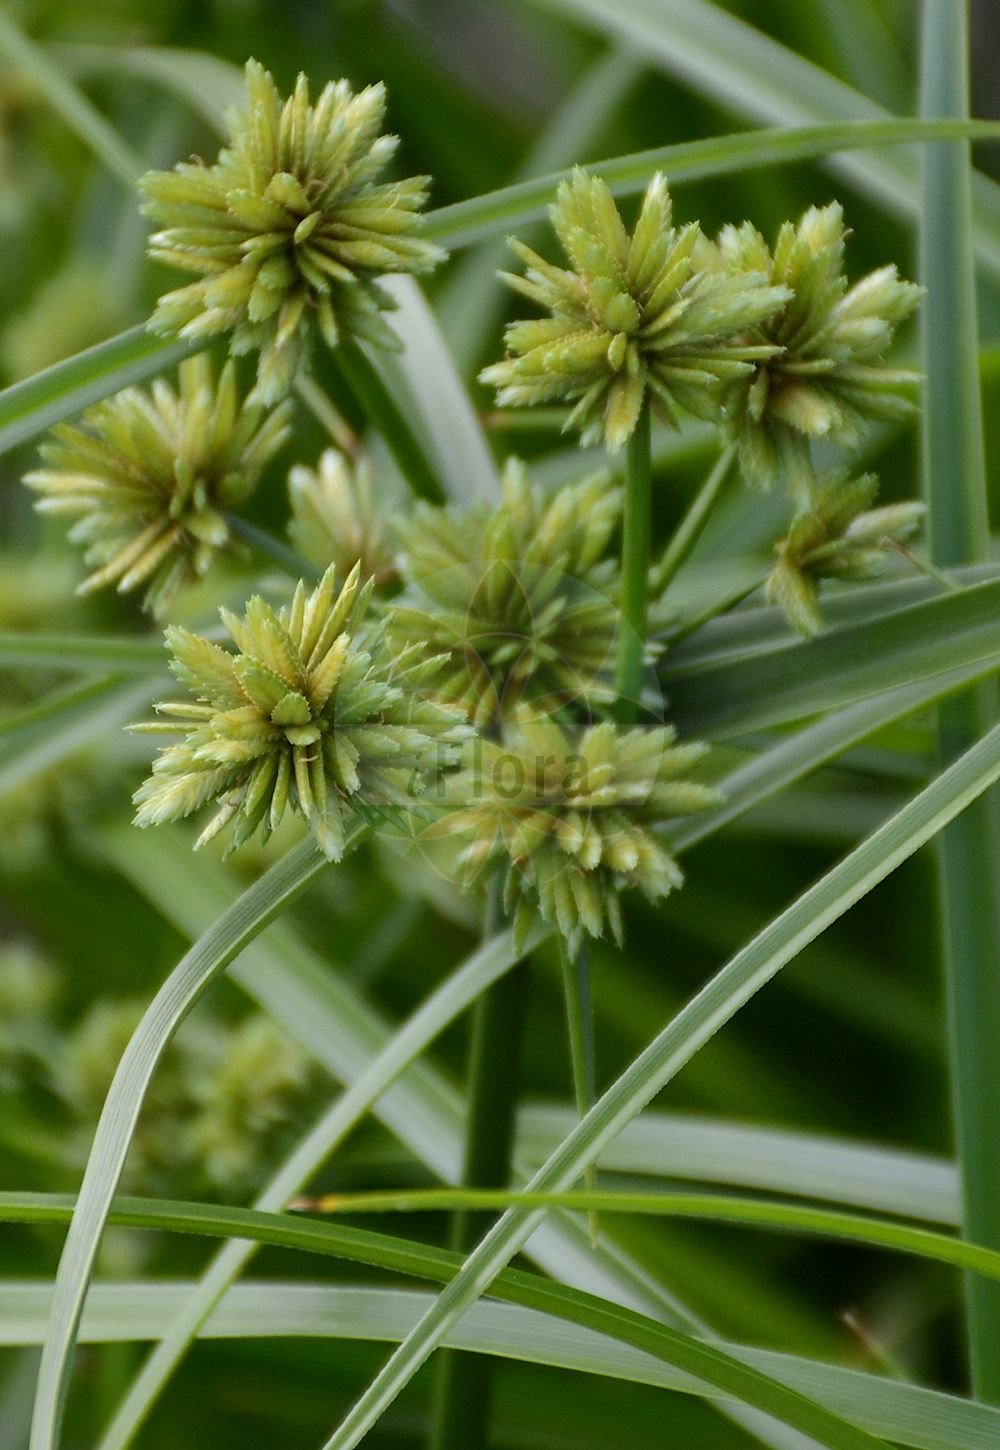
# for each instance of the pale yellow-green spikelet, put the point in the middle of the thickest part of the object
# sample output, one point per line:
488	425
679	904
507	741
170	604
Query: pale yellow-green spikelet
309	712
634	321
825	377
569	815
838	536
149	477
289	230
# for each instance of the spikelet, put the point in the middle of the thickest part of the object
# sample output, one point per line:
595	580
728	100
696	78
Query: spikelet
840	536
148	475
290	229
633	319
307	715
824	376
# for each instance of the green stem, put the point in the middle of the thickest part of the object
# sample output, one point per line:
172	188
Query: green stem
382	411
580	1025
326	414
286	558
462	1408
690	529
635	571
968	852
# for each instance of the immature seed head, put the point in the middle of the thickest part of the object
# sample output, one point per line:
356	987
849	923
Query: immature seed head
567	815
634	318
840	536
336	518
823	377
148	476
518	601
305	714
291	226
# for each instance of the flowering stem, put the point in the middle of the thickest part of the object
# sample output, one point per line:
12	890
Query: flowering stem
580	1023
329	417
635	571
462	1408
382	411
690	529
274	549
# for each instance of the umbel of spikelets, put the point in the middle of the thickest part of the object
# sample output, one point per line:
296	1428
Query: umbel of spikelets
824	377
290	227
634	317
839	536
518	601
568	816
306	714
148	476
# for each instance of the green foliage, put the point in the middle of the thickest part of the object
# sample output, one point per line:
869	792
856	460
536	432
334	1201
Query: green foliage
498	722
290	227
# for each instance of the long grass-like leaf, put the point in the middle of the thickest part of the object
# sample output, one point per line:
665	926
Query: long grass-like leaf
794	680
696	1024
29	408
71	104
206	960
466	222
704	1149
903	1412
748	73
445	1003
968	854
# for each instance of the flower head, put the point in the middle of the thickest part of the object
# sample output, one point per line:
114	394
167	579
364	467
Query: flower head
336	519
840	536
518	601
149	474
288	227
823	377
306	714
567	814
634	317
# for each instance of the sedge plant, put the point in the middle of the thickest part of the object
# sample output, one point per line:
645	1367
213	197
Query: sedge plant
479	685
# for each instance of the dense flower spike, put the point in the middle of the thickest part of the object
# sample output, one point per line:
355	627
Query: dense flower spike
336	519
288	227
220	1109
635	317
150	473
839	537
823	378
518	600
307	713
568	815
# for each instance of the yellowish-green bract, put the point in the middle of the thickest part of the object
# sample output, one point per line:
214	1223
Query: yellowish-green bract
148	476
635	319
568	814
290	227
309	713
823	377
840	536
